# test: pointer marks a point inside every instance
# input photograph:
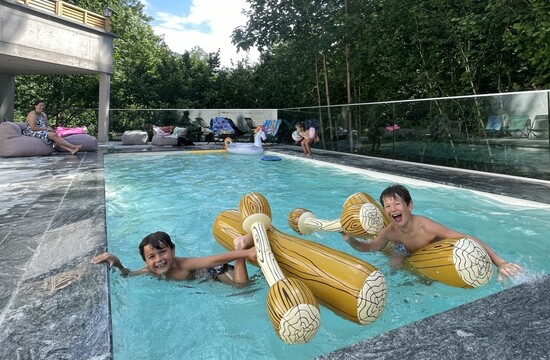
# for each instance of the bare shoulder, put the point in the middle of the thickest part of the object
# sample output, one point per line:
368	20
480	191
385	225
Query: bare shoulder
425	222
436	229
423	219
388	233
184	263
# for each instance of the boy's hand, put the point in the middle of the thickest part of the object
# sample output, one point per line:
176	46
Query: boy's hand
251	254
508	269
345	236
111	259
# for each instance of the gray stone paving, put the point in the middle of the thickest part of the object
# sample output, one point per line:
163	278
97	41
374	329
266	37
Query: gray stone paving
55	305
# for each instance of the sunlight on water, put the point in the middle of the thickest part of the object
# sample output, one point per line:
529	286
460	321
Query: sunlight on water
182	194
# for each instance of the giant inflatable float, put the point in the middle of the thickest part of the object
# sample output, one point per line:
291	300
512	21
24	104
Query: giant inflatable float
458	262
293	268
247	148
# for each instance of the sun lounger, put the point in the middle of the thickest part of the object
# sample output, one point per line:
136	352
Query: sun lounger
538	128
518	125
494	125
204	130
272	128
223	128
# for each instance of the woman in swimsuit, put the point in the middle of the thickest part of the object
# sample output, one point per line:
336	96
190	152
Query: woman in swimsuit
36	124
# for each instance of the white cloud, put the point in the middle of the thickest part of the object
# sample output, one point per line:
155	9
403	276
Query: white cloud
209	25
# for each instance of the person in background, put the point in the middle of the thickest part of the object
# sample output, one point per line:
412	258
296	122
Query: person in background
36	124
309	136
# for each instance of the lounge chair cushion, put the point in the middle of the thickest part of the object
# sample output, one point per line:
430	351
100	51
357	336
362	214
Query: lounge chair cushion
162	130
180	132
14	144
170	139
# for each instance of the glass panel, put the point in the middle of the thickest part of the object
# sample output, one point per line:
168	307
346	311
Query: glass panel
499	133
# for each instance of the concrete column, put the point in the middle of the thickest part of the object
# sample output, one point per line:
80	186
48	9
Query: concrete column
7	96
103	111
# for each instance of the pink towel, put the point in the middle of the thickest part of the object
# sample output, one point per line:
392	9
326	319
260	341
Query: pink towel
392	127
66	131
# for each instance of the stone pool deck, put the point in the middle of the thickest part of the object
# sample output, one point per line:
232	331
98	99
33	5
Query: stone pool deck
55	305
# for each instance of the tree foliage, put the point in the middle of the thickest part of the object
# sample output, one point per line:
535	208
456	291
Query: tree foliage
314	52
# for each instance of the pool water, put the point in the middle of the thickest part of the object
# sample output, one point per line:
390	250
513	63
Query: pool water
183	193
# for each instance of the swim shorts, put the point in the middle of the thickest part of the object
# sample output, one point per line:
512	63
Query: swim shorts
219	270
213	272
401	250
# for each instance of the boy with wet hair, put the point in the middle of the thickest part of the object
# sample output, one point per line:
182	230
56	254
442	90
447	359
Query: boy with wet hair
158	252
411	232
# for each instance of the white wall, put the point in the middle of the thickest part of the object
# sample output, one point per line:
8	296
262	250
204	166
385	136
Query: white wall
237	115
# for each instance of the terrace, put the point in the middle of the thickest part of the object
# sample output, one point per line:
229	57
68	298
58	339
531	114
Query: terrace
55	304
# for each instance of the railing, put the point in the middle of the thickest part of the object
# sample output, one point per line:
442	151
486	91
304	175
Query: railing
500	133
72	12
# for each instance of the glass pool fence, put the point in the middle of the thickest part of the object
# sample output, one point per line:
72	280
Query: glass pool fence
497	133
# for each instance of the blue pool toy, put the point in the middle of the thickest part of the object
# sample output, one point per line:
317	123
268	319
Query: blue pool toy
271	158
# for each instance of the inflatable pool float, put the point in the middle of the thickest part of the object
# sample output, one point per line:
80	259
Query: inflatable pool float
352	288
270	158
305	222
458	262
246	148
293	310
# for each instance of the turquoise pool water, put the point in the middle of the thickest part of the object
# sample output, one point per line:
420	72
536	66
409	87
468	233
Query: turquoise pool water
183	193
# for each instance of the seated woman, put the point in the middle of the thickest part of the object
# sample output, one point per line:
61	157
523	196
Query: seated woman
37	126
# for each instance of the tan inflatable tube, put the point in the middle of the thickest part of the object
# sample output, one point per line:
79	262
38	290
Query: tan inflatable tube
291	305
350	287
360	218
459	262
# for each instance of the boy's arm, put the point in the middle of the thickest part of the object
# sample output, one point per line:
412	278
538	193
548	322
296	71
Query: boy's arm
378	243
113	260
504	268
195	263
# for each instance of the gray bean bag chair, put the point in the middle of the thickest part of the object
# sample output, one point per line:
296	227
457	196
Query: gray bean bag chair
163	140
14	144
88	142
134	137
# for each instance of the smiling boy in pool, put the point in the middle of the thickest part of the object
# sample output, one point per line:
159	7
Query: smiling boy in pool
158	252
411	232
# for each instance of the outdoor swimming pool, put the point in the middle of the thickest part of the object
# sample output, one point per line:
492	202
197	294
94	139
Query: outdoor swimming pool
182	194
